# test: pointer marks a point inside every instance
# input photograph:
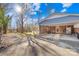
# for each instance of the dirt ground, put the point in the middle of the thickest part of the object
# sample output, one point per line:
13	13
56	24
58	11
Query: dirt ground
20	45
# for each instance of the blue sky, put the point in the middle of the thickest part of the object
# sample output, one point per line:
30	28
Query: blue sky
58	8
47	9
50	8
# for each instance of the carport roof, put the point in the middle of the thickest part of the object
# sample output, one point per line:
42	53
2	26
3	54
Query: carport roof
61	20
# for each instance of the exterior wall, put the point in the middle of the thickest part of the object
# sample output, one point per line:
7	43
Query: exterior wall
76	27
76	30
46	29
57	29
60	29
52	29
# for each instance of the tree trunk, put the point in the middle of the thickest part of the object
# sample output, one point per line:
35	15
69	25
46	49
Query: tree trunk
0	34
22	28
4	29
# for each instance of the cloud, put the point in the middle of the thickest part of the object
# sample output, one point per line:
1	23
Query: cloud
34	7
37	6
35	20
53	10
64	10
43	17
66	5
33	13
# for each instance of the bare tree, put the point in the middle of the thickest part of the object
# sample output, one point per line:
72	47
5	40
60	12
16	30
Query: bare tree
21	17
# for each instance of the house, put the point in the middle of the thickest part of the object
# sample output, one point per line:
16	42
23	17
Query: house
60	23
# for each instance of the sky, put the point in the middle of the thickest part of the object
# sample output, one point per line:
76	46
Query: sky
45	9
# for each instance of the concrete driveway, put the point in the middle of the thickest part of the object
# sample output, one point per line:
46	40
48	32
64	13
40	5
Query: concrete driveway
65	41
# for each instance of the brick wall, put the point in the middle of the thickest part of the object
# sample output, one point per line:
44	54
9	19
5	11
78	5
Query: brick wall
55	29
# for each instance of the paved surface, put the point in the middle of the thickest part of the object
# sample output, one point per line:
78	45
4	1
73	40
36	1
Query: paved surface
19	45
65	41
